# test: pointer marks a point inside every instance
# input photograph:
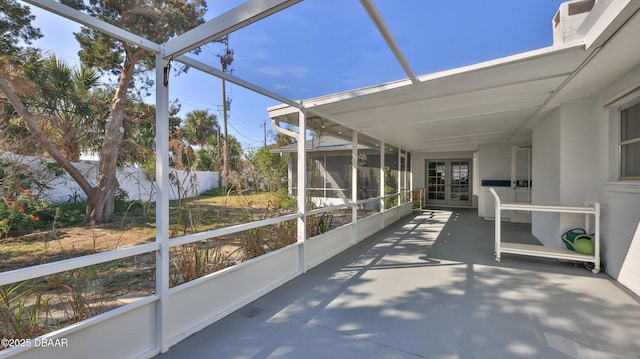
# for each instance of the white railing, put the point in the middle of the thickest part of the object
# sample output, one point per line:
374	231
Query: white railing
133	330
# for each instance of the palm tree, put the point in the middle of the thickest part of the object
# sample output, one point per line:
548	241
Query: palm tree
69	111
198	126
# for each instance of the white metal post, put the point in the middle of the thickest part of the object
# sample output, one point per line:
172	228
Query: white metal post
596	251
162	202
399	176
302	185
498	234
498	225
382	184
354	186
289	177
587	224
411	188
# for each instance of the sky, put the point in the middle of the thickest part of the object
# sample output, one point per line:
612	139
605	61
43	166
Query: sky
319	47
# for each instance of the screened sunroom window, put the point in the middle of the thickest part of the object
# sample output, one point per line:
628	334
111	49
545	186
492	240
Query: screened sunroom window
630	142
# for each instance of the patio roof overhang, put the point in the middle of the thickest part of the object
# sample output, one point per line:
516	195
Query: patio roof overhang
494	102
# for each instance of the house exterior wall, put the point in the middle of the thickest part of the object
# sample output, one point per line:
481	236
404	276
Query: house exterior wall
621	198
545	176
579	148
575	160
567	167
494	163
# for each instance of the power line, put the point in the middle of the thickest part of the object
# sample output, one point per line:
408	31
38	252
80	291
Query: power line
240	133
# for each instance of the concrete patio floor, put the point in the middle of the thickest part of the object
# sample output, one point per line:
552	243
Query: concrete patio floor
428	287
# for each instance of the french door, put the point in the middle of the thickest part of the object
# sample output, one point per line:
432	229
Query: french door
448	182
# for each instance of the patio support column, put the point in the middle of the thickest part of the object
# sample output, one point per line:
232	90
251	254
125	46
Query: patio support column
410	174
302	185
162	202
354	187
399	179
383	200
289	176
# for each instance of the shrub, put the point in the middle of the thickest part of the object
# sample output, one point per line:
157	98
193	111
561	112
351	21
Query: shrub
63	214
214	192
121	201
284	200
20	212
22	310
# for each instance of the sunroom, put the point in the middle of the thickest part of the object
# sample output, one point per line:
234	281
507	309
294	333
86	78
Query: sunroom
557	125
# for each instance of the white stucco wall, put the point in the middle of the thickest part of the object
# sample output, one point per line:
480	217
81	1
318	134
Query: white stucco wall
585	152
580	164
575	160
621	199
545	176
494	163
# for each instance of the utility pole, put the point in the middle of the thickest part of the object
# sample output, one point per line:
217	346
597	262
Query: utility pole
264	126
225	148
225	62
218	152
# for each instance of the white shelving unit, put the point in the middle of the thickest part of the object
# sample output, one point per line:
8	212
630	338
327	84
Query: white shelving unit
592	209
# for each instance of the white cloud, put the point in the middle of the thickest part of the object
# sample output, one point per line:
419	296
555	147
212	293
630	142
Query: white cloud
288	71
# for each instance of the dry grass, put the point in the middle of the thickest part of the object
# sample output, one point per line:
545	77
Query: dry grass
44	304
34	307
133	228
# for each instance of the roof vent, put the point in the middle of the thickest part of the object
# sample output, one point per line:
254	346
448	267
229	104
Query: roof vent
568	19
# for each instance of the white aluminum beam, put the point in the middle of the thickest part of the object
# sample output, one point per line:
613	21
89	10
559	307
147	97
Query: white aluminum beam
354	187
532	120
377	19
186	60
302	186
232	20
224	231
41	270
162	204
96	24
334	120
383	199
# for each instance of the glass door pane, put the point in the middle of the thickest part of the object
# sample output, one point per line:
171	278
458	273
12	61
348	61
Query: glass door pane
521	174
459	186
448	182
436	182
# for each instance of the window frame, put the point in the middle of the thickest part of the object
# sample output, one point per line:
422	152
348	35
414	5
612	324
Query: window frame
632	100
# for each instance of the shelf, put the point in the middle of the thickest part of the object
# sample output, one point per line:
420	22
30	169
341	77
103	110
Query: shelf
544	251
546	208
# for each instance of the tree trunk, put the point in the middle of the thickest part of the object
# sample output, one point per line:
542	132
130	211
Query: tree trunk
39	135
100	204
100	198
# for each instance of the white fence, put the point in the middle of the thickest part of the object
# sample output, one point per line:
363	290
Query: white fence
133	180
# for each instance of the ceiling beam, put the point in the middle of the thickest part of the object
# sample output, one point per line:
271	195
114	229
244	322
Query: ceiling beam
377	19
184	59
232	20
96	24
533	119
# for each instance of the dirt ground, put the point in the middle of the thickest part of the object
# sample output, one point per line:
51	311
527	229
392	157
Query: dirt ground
109	285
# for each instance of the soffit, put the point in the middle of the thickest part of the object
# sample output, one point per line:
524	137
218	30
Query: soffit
455	110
